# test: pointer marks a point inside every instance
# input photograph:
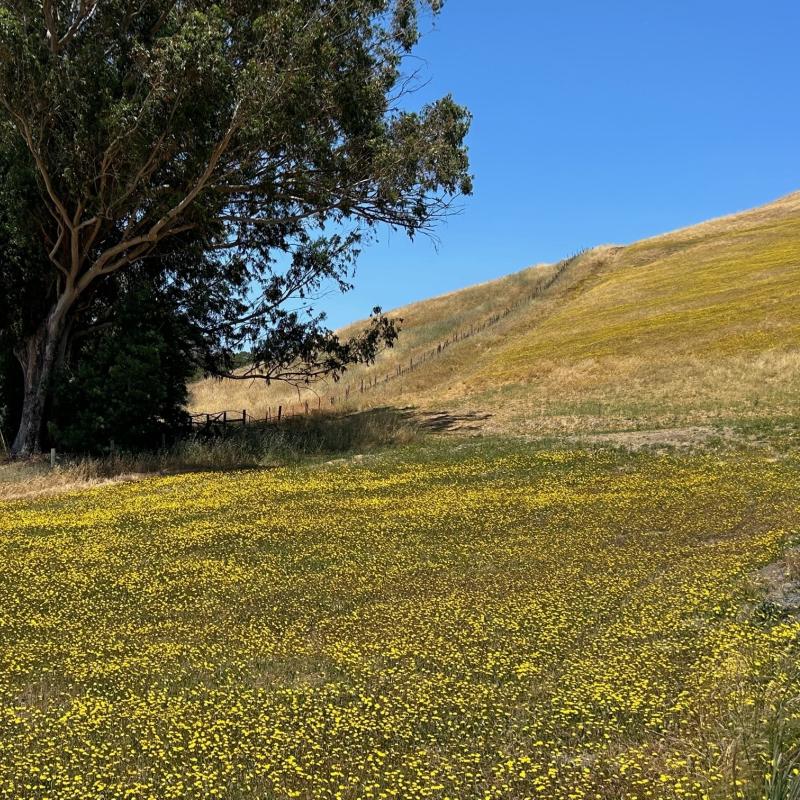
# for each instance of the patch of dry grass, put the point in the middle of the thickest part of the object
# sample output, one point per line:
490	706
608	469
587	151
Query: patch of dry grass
424	326
295	440
693	326
35	478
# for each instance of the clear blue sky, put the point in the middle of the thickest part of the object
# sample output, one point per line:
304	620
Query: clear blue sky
593	123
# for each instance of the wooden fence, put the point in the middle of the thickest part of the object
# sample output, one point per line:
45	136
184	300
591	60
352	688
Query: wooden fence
222	419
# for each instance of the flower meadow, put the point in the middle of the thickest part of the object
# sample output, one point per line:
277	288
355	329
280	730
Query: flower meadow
472	622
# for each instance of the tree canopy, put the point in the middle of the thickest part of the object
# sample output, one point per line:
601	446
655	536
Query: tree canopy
238	153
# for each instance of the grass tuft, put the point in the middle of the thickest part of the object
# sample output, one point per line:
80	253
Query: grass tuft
297	439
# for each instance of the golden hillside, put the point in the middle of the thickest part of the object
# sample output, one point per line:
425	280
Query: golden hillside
701	324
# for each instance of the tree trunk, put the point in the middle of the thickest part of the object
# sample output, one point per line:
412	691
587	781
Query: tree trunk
38	358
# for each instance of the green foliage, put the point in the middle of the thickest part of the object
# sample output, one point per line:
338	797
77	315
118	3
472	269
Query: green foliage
238	151
128	383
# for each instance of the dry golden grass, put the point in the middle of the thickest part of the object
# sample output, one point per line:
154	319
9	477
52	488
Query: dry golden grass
424	325
30	479
697	325
301	439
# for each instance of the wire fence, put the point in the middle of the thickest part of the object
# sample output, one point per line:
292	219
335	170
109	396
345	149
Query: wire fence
221	420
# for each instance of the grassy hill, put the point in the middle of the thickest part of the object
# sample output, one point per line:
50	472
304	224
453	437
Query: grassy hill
486	618
695	326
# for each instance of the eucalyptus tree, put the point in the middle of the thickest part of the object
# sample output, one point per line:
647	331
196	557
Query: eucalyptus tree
237	152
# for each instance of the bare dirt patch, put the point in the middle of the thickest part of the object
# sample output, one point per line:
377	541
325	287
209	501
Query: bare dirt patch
681	438
781	579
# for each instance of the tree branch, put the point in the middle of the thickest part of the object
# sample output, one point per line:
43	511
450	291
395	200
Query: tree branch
85	13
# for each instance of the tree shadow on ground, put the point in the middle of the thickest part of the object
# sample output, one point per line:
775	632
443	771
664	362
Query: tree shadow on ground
318	434
441	421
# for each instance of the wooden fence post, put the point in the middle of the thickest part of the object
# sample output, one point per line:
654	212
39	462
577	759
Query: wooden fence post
52	458
244	416
280	412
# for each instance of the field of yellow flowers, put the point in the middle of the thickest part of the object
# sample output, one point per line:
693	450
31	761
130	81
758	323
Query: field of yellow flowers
505	622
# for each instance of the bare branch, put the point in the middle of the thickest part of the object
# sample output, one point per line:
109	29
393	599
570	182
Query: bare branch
52	254
24	129
86	12
50	24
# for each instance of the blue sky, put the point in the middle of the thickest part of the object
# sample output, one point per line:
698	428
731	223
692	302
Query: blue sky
593	123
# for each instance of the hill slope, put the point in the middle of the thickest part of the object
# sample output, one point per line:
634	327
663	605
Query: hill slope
695	325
